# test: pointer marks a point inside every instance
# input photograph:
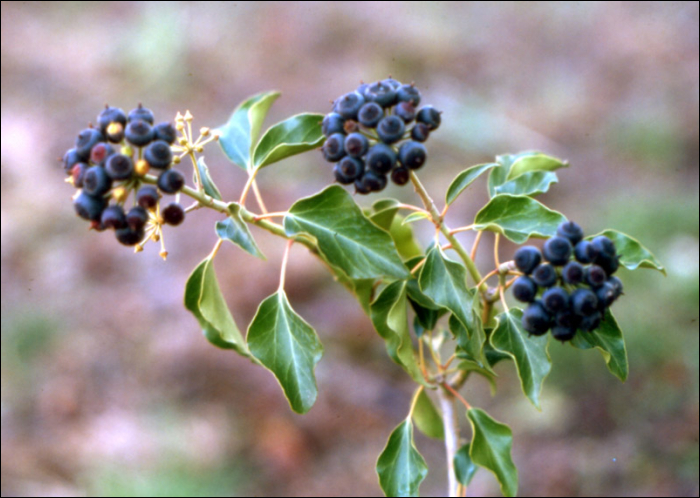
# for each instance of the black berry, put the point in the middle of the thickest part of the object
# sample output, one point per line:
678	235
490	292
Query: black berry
332	123
420	132
111	115
590	322
147	197
527	258
381	158
584	252
334	147
173	214
412	154
571	231
557	250
595	276
535	319
171	181
390	129
584	302
139	133
130	236
370	114
555	299
136	218
70	159
119	167
349	104
430	116
165	131
356	144
158	154
86	140
544	275
141	113
409	93
96	182
113	217
405	111
89	207
100	152
562	333
341	177
382	93
400	176
351	167
524	289
572	273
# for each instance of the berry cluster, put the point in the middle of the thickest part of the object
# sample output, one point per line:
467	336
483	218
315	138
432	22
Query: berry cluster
586	287
376	131
110	161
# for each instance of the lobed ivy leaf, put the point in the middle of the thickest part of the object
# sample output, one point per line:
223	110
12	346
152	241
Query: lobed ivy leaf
535	162
633	255
518	218
418	215
207	183
464	179
491	447
345	237
498	176
530	183
464	467
239	135
470	366
404	239
529	353
389	317
400	467
609	340
383	212
286	345
472	344
290	137
234	229
427	418
443	281
204	300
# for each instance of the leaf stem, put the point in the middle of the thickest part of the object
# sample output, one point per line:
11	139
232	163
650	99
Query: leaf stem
476	243
258	197
285	258
414	401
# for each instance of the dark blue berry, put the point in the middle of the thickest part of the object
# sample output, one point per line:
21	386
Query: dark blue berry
370	182
544	275
390	129
341	177
420	132
348	105
96	181
70	158
595	276
136	218
395	84
409	93
572	273
429	116
356	144
405	111
617	285
381	158
334	147
86	140
332	123
113	217
590	322
119	167
607	263
567	318
130	236
524	289
141	113
400	176
173	214
100	152
351	167
606	295
412	154
527	258
370	114
78	174
381	93
603	247
584	252
165	131
571	231
584	302
557	250
171	181
139	133
147	197
110	115
563	334
89	207
555	299
158	154
535	319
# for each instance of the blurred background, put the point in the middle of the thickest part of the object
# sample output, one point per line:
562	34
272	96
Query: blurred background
109	388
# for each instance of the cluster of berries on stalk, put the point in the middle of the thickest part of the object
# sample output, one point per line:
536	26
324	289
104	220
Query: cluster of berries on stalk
378	131
572	288
111	160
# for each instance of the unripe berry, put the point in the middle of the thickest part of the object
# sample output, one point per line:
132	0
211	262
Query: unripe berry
527	258
110	115
524	289
171	181
412	154
557	250
545	275
173	214
158	154
390	129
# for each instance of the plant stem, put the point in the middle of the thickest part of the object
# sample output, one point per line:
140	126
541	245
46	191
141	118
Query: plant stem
449	420
440	224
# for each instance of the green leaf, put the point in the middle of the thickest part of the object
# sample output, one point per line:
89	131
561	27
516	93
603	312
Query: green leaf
443	281
285	344
464	179
236	230
530	183
535	162
383	212
609	340
345	237
518	217
470	366
427	418
404	238
400	467
418	215
633	255
207	183
204	300
472	343
238	136
529	353
490	448
389	317
464	467
497	176
290	137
